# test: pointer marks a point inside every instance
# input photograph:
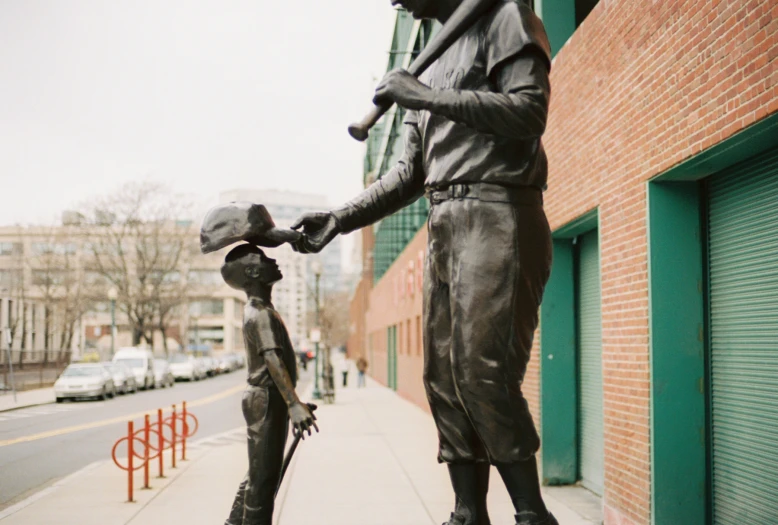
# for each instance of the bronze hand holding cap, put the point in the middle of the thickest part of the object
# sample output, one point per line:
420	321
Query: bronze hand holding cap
241	221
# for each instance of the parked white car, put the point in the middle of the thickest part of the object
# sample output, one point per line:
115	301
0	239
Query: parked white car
211	366
184	366
163	377
123	378
141	362
84	380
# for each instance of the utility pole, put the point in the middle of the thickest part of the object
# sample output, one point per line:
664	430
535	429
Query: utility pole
112	293
10	360
317	333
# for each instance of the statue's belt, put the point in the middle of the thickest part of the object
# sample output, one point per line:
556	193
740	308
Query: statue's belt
482	191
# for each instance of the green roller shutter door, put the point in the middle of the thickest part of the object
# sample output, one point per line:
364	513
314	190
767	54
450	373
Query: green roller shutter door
391	347
743	274
589	364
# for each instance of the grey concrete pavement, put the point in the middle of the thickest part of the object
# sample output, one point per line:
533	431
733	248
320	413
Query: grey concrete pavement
373	463
26	399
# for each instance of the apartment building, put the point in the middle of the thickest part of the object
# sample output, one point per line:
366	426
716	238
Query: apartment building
52	297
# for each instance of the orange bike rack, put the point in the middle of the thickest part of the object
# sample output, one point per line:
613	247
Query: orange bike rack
130	438
150	450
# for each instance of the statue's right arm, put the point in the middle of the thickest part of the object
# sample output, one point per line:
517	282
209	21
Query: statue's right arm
399	187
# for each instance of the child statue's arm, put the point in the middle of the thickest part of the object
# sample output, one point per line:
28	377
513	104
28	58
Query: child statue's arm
301	416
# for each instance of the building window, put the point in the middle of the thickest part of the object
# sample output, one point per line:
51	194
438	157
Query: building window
93	278
205	277
101	307
212	337
207	307
48	278
10	279
408	337
419	339
10	248
46	248
160	277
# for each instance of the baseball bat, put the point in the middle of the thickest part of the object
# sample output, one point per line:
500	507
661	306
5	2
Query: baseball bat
460	21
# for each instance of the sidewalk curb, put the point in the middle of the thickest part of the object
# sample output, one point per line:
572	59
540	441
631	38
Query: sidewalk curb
13	509
26	406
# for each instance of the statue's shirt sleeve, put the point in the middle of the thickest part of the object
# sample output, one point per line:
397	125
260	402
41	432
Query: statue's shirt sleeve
512	28
268	333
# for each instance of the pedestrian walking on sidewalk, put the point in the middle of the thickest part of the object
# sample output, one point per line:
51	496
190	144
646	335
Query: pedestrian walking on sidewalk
361	369
473	147
270	400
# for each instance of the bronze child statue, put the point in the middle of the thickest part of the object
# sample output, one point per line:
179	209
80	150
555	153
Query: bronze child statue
270	401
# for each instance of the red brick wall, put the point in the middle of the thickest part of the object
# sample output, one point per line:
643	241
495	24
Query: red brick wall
389	305
641	86
357	343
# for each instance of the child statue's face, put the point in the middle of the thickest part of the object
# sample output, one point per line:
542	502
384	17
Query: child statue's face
268	270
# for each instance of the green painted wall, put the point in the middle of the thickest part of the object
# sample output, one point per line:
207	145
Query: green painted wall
559	19
676	306
558	385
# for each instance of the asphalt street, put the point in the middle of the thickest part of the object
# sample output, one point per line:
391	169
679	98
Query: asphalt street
39	445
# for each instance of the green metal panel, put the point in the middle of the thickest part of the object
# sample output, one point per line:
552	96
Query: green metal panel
743	287
589	336
676	318
395	232
391	356
559	19
558	371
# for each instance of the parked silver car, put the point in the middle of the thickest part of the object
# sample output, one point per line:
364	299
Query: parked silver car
123	378
163	377
185	366
84	380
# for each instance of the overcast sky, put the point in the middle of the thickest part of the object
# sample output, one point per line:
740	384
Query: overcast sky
204	95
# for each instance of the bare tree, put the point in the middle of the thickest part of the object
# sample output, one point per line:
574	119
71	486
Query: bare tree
12	285
59	279
139	247
334	318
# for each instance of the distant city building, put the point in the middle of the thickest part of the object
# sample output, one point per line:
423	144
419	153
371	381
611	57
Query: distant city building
293	296
52	298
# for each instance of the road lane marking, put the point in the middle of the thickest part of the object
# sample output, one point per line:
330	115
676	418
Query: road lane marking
119	419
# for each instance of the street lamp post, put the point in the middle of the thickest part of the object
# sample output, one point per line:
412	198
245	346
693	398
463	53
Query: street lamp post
112	294
316	267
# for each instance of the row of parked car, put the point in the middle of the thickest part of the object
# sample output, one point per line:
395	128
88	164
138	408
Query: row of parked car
134	369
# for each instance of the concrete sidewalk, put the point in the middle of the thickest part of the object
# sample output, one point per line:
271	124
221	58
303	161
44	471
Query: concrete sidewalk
373	464
28	398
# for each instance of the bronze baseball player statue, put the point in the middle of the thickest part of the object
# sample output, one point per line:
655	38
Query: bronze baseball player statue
473	146
270	400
